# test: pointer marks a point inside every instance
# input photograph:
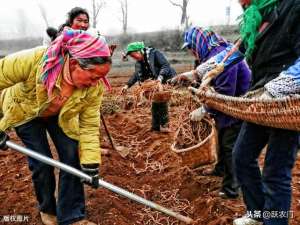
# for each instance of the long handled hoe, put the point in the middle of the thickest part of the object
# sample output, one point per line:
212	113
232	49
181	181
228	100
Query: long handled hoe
102	183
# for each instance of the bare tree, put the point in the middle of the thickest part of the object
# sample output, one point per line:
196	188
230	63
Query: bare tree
97	6
184	17
124	11
44	14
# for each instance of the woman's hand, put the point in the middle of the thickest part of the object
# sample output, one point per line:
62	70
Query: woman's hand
187	76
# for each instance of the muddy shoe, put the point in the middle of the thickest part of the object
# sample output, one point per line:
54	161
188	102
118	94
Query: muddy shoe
84	222
48	219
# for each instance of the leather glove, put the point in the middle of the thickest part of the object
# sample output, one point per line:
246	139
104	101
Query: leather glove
3	138
198	114
93	171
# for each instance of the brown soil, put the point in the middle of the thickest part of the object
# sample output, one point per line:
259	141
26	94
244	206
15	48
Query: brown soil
151	170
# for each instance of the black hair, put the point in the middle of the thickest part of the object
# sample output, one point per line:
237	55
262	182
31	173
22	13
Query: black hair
72	14
84	63
52	33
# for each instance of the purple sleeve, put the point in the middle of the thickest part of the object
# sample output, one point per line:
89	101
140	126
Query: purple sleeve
226	82
243	79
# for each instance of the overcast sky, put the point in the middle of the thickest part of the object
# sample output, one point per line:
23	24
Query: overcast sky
144	15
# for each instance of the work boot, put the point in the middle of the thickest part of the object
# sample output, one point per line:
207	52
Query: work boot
48	219
84	222
246	220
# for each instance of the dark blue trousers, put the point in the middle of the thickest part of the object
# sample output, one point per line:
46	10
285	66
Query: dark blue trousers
70	205
266	192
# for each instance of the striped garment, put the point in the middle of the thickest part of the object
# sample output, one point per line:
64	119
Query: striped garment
201	41
80	45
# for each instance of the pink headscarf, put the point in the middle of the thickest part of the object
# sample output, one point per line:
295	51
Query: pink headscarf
80	45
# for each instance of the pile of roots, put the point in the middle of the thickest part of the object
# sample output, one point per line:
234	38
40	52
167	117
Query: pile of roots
190	133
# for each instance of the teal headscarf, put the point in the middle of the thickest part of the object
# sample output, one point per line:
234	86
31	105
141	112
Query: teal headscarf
251	20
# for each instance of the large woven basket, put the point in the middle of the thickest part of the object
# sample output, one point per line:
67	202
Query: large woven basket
202	153
278	112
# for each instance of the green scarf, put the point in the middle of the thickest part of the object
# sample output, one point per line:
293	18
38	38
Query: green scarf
251	20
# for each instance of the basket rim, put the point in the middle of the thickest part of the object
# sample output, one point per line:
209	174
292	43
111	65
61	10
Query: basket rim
197	145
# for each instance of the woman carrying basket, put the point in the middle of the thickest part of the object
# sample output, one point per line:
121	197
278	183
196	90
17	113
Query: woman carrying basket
204	44
270	35
271	40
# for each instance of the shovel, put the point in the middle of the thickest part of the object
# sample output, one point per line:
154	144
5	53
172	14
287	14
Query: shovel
101	182
123	151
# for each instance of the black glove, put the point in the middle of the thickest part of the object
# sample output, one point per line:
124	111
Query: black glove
93	171
3	138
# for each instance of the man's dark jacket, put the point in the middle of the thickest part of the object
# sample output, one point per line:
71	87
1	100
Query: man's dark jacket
154	65
278	45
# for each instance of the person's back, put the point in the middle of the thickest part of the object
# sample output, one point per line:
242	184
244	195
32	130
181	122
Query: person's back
271	43
159	64
274	52
50	94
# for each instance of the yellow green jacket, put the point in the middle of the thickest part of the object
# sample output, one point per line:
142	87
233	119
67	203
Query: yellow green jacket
24	97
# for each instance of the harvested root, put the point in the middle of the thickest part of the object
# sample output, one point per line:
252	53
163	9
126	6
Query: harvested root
172	201
148	91
112	104
191	133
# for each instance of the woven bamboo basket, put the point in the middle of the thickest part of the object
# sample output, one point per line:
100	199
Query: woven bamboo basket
162	96
204	147
278	112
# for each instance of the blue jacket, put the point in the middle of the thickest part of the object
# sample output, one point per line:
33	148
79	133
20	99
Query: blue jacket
154	66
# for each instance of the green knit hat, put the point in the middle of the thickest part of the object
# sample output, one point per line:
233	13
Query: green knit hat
134	47
251	20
